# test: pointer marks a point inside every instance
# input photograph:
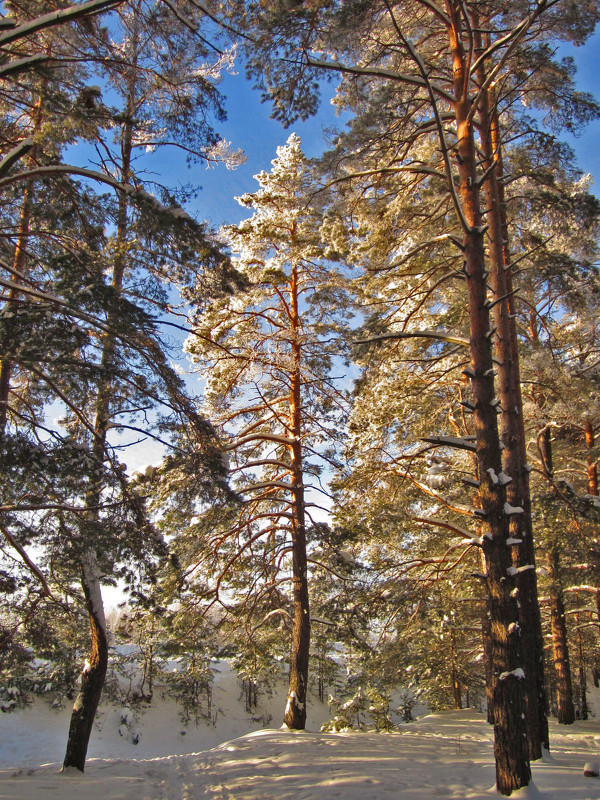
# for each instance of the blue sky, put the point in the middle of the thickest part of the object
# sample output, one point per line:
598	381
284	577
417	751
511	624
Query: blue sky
250	127
587	145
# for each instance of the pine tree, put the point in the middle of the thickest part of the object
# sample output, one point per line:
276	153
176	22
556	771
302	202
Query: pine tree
268	357
103	359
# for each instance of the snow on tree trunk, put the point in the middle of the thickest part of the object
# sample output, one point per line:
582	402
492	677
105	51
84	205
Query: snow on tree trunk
94	671
510	743
512	427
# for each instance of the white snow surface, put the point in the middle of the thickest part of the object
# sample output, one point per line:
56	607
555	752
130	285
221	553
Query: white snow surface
443	755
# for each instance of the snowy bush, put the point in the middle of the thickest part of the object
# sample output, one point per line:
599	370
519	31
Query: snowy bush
350	714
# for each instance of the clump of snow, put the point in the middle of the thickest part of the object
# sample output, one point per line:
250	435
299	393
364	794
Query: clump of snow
515	673
510	510
591	769
492	473
512	571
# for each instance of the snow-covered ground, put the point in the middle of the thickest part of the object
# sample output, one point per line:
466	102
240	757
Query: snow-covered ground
444	755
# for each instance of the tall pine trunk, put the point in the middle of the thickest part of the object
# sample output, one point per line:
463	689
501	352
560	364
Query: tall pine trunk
592	476
529	607
510	742
512	426
295	710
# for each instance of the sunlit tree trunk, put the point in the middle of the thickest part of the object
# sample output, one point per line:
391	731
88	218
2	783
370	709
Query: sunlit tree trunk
295	711
510	742
511	422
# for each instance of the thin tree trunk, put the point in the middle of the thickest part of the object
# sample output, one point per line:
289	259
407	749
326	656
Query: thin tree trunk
592	476
510	742
583	704
545	444
592	467
560	650
486	635
456	688
19	267
295	710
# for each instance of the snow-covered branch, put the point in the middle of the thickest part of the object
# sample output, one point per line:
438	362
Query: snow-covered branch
424	334
412	80
54	18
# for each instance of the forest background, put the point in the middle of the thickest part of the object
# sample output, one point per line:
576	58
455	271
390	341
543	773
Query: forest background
223	542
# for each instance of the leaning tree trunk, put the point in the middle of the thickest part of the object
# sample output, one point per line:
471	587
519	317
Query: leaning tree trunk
512	428
295	710
94	671
510	742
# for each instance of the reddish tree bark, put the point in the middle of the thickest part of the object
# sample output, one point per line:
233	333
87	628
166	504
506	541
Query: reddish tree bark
510	744
592	467
511	421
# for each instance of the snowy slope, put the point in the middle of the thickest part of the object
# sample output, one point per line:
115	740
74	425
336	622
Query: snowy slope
37	734
444	755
